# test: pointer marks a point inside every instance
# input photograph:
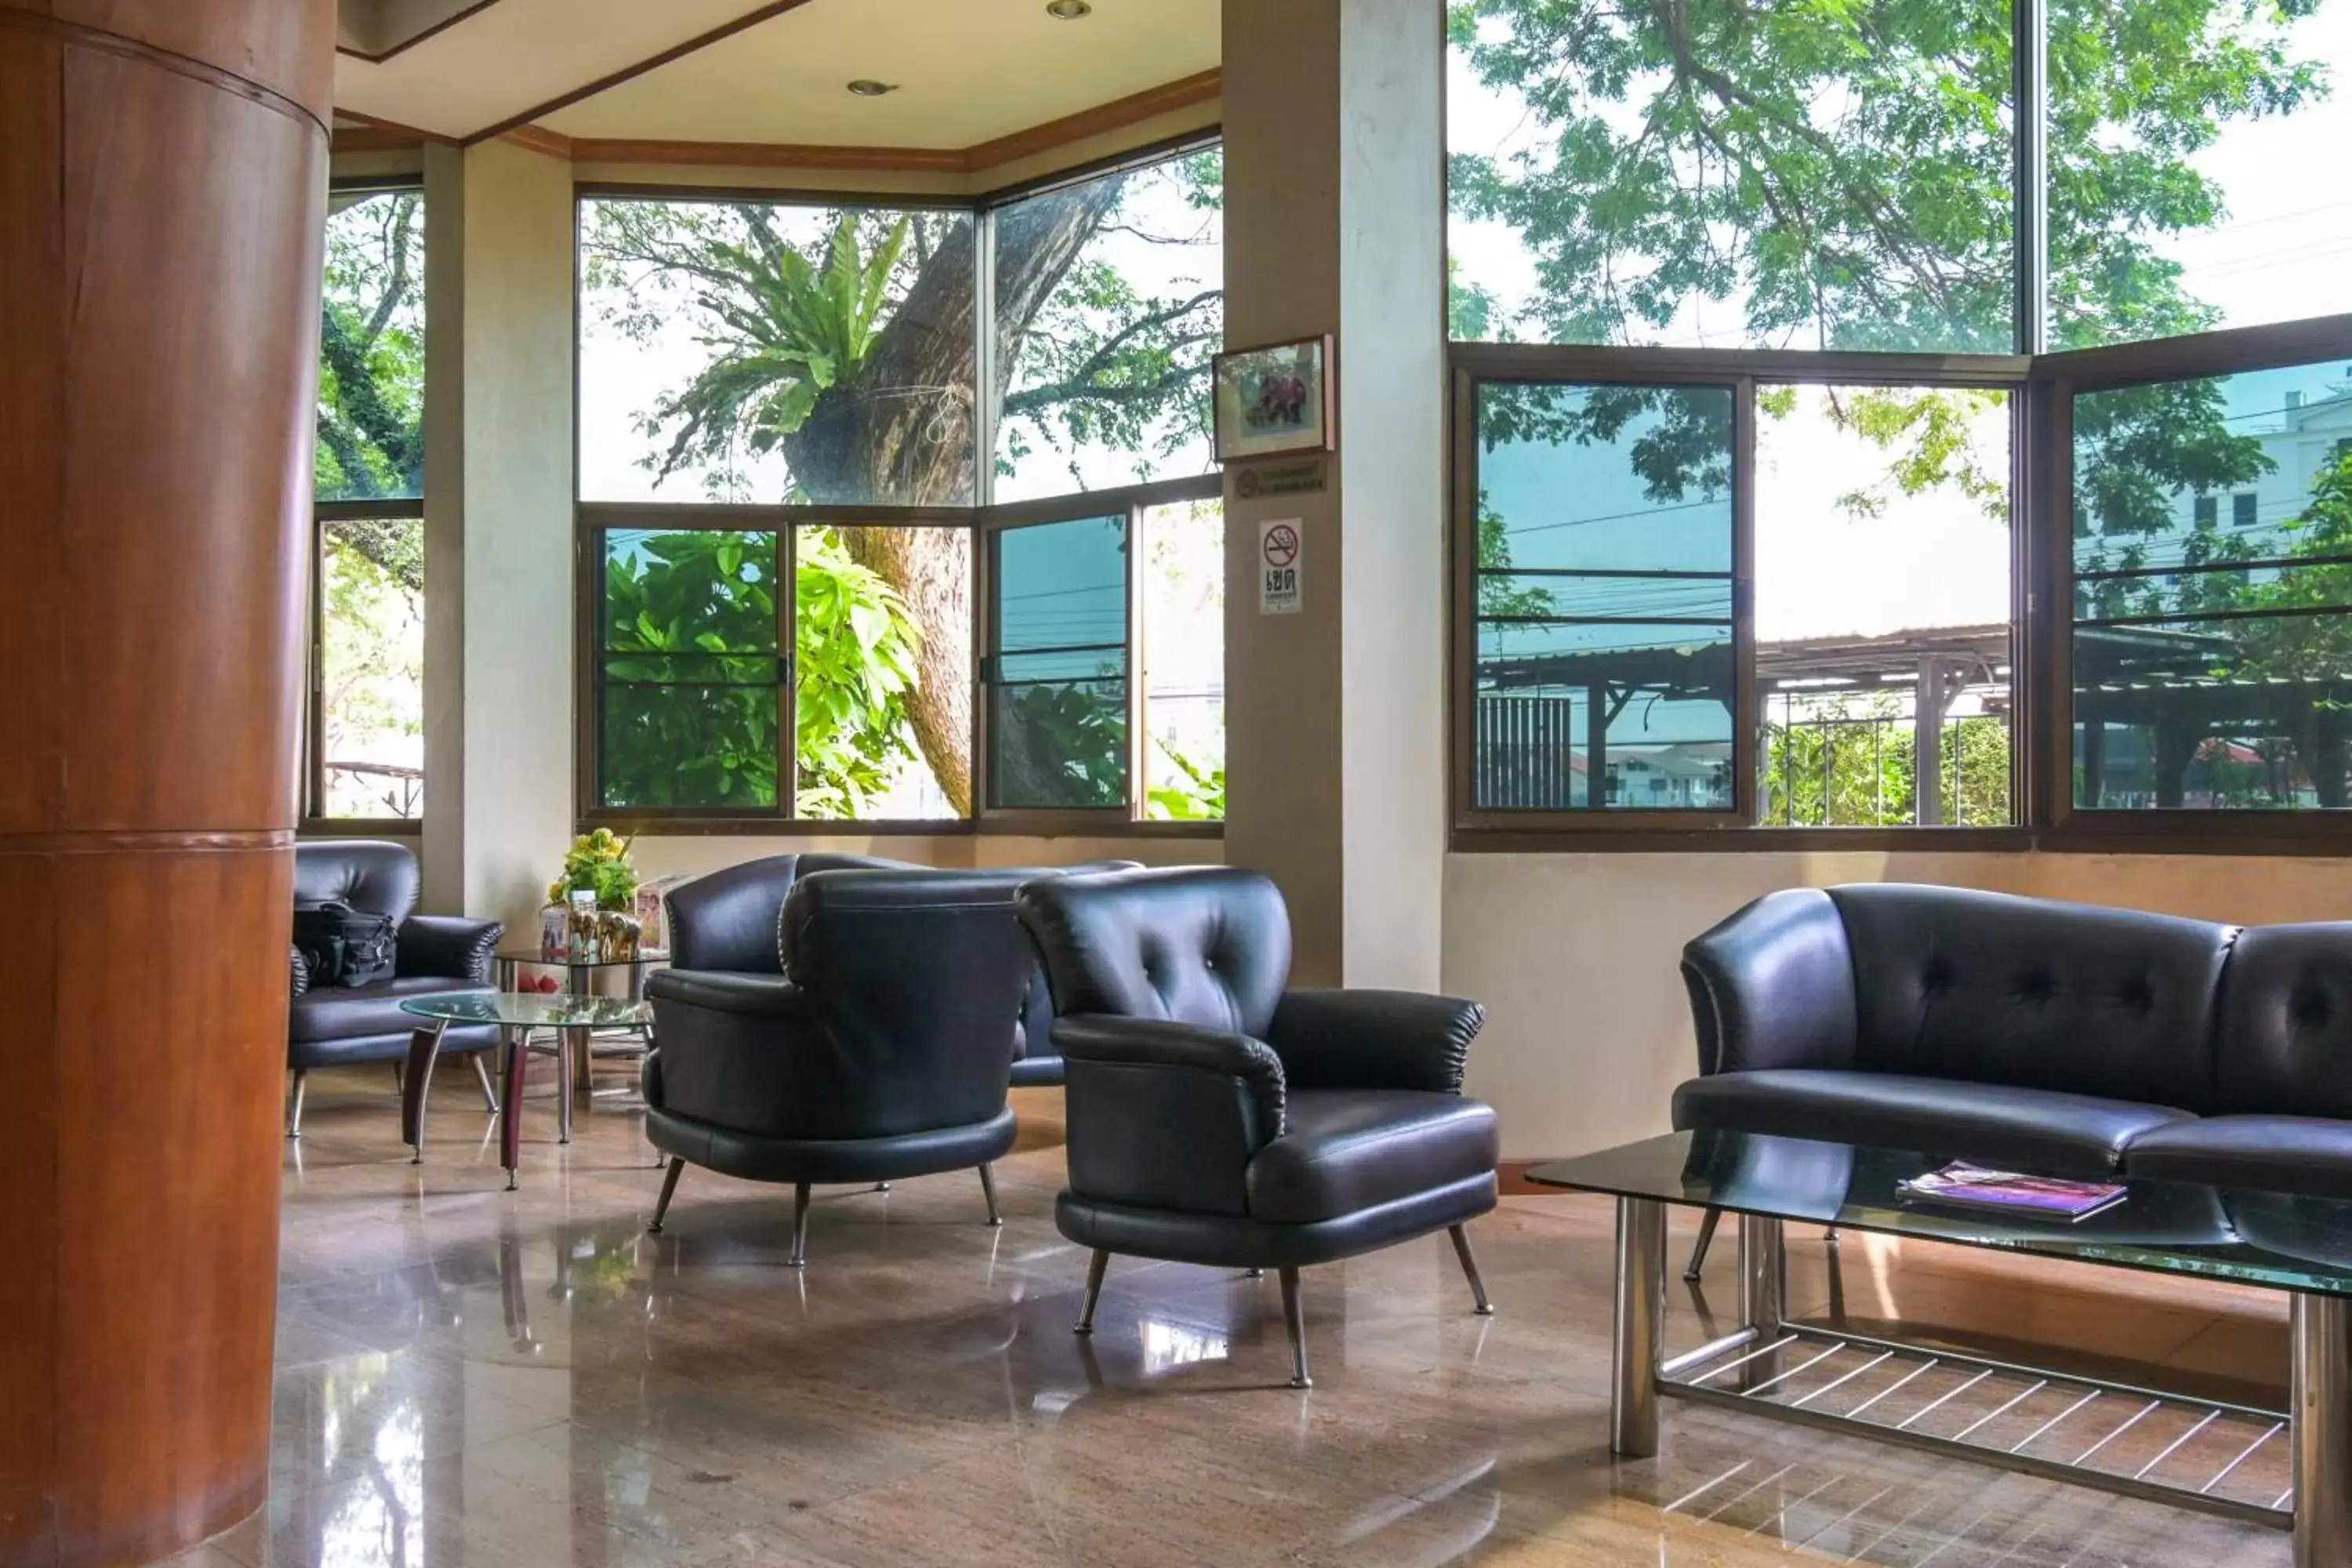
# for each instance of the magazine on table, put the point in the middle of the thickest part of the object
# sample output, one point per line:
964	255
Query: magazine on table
1962	1185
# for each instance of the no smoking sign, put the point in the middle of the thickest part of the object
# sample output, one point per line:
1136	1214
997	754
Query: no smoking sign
1280	547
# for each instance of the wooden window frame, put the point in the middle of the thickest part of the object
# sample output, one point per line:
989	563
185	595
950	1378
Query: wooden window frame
2043	389
371	509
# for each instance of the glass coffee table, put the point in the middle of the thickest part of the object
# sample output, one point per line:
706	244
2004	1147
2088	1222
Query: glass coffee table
582	977
516	1014
2288	1468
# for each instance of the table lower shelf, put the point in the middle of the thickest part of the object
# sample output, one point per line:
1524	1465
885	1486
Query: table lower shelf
2221	1458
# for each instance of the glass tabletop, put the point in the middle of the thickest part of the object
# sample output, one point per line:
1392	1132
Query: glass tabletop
532	1010
2277	1239
534	955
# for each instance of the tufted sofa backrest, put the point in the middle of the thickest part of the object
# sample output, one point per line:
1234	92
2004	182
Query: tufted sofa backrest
1207	945
2286	1022
2078	998
371	875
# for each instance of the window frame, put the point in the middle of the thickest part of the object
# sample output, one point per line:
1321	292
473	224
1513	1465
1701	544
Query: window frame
982	519
2041	388
314	818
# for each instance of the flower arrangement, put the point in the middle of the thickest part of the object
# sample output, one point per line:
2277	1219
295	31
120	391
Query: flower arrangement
597	863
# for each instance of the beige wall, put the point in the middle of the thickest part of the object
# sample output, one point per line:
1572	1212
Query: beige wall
1575	955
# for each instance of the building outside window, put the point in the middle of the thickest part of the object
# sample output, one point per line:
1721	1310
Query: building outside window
1958	349
367	698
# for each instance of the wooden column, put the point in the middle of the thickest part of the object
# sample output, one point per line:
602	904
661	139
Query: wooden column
163	175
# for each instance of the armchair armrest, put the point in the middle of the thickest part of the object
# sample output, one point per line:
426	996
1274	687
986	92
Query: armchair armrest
726	1052
721	991
1165	1115
299	977
1773	986
448	946
1374	1039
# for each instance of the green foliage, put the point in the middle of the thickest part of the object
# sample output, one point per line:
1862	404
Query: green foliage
597	862
1846	765
1197	794
371	439
1062	746
856	655
689	654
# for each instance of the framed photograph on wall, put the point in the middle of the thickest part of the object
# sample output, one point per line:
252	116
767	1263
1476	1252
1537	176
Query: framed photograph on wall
1275	400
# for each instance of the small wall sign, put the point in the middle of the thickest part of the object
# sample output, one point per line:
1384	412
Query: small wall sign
1280	544
1300	477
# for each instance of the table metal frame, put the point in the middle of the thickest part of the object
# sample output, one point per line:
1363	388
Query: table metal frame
1744	1370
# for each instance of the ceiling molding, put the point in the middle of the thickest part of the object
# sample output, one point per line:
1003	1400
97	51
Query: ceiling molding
444	24
1185	92
374	134
540	139
752	18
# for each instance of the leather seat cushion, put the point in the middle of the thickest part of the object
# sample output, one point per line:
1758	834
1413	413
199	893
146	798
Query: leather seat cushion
756	1158
1239	1241
1037	1072
2305	1154
1998	1124
342	1012
1348	1149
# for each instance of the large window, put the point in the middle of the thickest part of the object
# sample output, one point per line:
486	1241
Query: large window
366	715
2212	658
777	391
2034	326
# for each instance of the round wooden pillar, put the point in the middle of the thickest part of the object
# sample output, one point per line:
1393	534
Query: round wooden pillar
162	172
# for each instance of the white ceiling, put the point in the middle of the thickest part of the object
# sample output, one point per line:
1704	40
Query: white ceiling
967	70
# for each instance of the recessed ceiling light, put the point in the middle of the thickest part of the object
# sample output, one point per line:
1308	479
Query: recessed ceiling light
867	87
1068	10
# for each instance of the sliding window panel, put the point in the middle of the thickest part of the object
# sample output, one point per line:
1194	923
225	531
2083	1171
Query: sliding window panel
2211	643
1181	599
1603	602
1884	590
689	671
1057	680
371	422
882	672
368	711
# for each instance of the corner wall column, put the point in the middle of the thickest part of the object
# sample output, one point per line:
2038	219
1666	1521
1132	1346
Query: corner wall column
162	182
1336	715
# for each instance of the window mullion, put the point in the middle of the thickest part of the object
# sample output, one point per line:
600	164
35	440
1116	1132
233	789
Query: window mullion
1747	730
788	669
2031	112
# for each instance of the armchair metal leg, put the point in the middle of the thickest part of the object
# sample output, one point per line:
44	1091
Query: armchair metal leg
881	1186
798	1258
988	1191
1295	1319
669	1185
1707	1222
294	1102
1484	1308
1094	1267
482	1075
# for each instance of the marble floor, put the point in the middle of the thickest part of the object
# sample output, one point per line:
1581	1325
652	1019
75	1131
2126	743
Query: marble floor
473	1378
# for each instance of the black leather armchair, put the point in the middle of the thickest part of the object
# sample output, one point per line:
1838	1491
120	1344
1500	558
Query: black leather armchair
328	1025
727	922
882	1051
1217	1118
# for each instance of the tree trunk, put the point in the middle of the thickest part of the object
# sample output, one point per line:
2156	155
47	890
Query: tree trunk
904	432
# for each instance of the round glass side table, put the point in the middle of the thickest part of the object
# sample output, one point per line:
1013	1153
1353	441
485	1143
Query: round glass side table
516	1015
585	977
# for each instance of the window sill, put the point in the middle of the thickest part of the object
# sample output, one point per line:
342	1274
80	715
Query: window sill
360	828
2234	836
659	826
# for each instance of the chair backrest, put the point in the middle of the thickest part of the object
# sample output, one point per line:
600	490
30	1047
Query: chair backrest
913	982
372	875
726	920
1036	1036
1207	945
2285	1045
2079	999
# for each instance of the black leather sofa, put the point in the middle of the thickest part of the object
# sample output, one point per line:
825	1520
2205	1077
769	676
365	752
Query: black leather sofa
2066	1039
330	1026
880	1051
727	922
1217	1117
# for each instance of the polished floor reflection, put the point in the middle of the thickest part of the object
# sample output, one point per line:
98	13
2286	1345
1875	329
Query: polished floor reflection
470	1378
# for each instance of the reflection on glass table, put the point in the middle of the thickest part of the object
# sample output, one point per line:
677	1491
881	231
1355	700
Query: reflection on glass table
2286	1469
516	1015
